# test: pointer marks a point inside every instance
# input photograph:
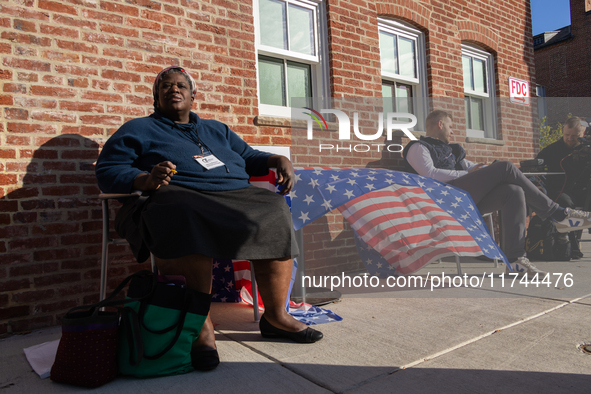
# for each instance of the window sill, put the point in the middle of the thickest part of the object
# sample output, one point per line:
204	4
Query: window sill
276	121
486	141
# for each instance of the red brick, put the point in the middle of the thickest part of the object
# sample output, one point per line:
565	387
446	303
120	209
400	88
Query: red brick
77	46
100	61
98	96
78	82
118	75
101	119
14	231
105	16
119	8
16	114
101	38
57	254
33	296
59	31
83	130
60	190
26	13
123	54
52	91
56	306
24	25
51	116
14	285
32	243
25	39
14	311
158	17
79	154
17	140
14	88
63	57
66	20
57	7
27	64
53	80
144	46
120	30
50	280
75	70
81	107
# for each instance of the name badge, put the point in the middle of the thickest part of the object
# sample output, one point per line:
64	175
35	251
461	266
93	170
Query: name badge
208	161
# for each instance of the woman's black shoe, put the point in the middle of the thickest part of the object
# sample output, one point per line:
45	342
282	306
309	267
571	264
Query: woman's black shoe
308	335
205	360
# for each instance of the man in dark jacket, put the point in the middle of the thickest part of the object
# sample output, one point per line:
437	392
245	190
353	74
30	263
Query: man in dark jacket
499	186
566	191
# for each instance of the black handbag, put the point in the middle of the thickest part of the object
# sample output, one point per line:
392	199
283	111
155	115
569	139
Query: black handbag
87	352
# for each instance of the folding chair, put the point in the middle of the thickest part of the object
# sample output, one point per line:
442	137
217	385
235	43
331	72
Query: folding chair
107	240
488	217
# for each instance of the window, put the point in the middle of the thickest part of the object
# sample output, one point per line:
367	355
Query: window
288	53
402	54
479	91
541	99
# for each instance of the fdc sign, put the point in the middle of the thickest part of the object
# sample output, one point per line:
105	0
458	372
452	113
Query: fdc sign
518	91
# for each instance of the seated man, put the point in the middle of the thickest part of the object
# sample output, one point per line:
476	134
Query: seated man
499	186
566	192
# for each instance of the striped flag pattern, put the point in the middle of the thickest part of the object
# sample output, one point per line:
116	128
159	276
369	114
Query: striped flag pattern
409	220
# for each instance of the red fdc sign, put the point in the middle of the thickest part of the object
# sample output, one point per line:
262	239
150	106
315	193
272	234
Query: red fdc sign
518	91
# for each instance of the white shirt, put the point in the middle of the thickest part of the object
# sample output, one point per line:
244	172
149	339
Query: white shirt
419	158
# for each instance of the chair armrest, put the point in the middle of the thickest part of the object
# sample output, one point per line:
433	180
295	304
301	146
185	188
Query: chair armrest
109	196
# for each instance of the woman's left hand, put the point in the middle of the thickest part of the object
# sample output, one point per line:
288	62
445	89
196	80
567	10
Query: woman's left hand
285	175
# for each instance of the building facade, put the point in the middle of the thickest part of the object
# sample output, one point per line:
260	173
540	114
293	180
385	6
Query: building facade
563	65
73	71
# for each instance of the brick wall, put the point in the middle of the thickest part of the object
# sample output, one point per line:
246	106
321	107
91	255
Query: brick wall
71	72
565	69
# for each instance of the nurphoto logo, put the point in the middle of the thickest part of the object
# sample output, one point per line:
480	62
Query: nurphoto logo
393	122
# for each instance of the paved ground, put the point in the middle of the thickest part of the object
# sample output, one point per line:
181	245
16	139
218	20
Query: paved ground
450	340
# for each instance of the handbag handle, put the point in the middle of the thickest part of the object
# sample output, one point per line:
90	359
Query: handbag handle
187	301
129	318
109	301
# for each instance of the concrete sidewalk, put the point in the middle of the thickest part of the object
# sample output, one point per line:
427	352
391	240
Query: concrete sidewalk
487	339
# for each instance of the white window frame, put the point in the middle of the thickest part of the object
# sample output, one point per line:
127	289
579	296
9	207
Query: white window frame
419	83
489	106
319	67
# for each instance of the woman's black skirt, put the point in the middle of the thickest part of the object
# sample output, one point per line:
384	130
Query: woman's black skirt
245	224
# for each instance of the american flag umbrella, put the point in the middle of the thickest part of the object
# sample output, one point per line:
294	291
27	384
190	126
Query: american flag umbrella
402	221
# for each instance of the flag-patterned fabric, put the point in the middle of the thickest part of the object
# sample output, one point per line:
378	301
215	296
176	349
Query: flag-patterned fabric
225	286
408	219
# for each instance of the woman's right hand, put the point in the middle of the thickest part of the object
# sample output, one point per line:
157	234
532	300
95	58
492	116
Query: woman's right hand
160	175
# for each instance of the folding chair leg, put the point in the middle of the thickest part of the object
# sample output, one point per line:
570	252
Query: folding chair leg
153	264
255	294
105	250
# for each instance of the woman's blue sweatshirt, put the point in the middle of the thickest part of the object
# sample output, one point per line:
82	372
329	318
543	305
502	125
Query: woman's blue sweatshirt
142	143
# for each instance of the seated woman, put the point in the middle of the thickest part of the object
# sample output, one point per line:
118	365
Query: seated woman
201	206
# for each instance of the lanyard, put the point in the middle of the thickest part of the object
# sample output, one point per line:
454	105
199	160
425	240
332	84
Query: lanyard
195	139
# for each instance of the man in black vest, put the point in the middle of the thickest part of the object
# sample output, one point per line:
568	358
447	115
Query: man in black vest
499	186
569	192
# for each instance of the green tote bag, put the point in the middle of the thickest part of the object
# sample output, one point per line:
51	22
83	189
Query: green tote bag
157	332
